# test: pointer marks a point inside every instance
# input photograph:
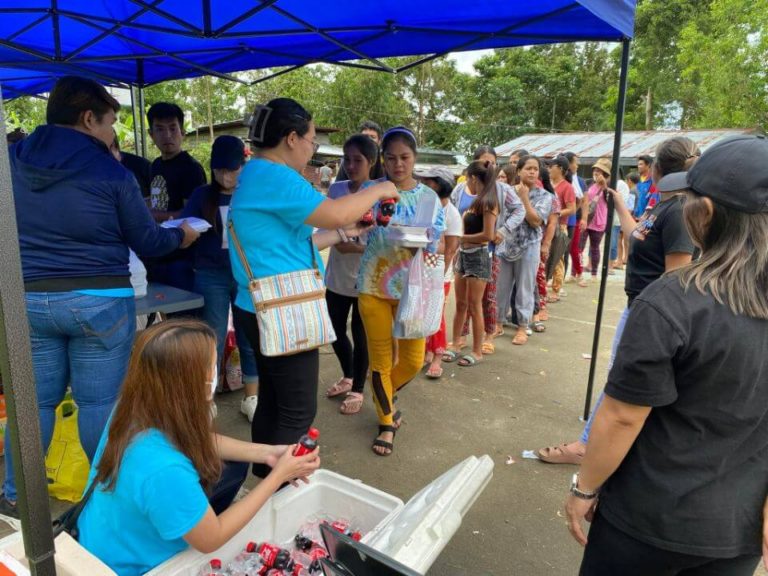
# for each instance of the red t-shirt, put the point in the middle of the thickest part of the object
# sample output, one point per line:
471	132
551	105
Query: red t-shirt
566	195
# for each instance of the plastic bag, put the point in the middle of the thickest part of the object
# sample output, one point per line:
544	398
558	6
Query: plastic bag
138	274
421	305
66	464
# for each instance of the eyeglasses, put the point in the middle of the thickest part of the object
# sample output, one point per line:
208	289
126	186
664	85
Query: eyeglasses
315	145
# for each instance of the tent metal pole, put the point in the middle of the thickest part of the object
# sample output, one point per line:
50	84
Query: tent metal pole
625	46
142	107
19	386
135	115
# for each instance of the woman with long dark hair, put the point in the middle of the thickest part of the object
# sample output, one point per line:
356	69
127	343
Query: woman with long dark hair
679	447
473	266
361	165
161	483
383	274
561	177
213	273
510	214
519	249
273	215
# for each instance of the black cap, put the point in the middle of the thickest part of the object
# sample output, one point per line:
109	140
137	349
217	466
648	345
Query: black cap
227	153
734	172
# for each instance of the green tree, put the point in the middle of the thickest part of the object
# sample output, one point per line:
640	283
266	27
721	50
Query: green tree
723	55
432	91
654	81
26	112
357	95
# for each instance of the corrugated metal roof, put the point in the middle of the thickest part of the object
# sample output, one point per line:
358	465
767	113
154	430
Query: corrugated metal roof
592	145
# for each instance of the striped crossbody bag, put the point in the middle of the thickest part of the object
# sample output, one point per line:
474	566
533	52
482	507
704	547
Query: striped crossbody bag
291	311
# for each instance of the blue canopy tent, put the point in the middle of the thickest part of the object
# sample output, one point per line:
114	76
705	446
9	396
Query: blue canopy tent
141	42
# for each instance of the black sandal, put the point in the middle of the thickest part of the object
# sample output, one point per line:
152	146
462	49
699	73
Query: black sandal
378	443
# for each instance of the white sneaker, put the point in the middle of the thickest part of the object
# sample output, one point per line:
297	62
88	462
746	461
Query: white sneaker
248	406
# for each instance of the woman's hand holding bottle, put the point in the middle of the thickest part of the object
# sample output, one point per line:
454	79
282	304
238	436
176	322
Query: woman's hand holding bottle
290	468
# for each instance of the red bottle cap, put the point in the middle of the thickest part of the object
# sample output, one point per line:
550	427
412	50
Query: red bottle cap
313	433
216	564
251	547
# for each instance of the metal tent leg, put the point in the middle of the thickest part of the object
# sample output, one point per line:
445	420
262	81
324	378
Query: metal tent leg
625	45
19	386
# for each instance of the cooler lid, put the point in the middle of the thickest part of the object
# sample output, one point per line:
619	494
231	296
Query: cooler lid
417	534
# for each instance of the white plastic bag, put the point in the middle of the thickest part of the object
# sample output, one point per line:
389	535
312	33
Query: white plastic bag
138	275
421	305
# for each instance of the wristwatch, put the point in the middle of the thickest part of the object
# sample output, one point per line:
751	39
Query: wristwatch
579	493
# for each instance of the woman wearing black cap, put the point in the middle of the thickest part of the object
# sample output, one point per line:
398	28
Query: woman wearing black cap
679	447
213	272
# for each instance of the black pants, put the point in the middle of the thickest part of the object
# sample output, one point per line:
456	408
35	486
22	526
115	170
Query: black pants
287	392
571	232
224	491
354	362
611	551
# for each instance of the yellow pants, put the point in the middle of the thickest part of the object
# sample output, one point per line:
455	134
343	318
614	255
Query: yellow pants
378	316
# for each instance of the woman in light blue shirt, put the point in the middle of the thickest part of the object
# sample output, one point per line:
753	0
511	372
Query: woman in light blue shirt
158	467
274	212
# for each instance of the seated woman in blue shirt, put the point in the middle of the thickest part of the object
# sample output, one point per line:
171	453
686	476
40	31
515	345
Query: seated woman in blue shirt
160	462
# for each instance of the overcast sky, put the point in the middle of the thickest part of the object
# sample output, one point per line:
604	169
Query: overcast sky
465	60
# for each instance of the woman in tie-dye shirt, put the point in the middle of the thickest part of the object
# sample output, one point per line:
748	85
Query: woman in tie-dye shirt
383	274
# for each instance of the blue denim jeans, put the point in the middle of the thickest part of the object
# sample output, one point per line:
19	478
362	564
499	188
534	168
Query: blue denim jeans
84	342
219	289
614	347
615	233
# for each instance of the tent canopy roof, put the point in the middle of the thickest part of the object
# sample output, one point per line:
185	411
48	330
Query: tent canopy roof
148	41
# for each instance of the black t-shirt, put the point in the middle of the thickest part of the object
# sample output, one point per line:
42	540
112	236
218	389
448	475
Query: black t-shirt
174	180
141	168
659	232
696	478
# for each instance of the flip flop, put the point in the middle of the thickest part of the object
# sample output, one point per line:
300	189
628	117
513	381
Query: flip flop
488	348
435	374
561	454
341	387
468	361
353	403
539	327
450	356
520	339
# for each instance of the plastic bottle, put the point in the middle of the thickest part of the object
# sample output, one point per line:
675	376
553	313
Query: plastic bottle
213	568
307	443
248	562
386	211
367	219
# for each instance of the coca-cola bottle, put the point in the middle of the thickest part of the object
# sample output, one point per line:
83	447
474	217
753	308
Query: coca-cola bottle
212	568
307	443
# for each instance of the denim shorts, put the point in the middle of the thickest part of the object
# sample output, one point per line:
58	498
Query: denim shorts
474	263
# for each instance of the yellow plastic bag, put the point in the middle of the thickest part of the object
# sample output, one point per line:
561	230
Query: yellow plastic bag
66	464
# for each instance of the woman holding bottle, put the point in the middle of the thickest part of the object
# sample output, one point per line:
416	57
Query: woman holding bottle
383	274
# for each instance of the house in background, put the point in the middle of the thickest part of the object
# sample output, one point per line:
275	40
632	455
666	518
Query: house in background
590	146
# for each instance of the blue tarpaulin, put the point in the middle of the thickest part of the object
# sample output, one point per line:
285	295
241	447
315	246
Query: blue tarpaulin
143	42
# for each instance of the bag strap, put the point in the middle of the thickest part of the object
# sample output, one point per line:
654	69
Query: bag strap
67	522
240	253
244	260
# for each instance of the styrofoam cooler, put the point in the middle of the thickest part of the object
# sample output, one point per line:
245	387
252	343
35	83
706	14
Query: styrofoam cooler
414	533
